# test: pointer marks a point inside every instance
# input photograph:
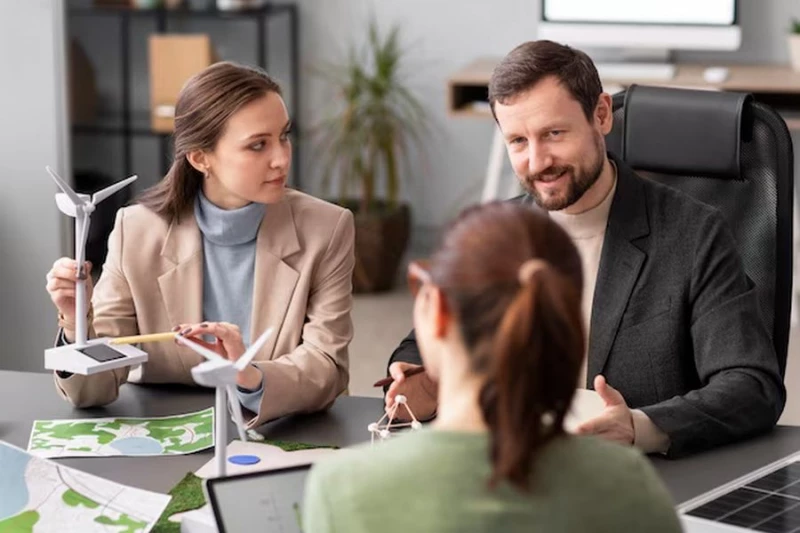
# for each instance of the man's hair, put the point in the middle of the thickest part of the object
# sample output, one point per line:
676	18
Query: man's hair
529	63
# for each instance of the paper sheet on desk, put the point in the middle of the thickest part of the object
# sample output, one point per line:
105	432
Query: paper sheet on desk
271	457
41	495
123	436
586	405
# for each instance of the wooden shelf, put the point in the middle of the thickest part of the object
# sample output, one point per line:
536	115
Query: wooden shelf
468	86
793	123
776	85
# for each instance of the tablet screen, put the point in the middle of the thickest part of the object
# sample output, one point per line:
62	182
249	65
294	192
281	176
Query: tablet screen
261	501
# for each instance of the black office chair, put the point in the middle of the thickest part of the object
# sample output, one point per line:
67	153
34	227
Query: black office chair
733	153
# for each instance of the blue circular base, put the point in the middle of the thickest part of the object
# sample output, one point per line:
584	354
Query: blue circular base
244	459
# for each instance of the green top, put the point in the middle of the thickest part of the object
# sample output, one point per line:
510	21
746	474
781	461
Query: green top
436	481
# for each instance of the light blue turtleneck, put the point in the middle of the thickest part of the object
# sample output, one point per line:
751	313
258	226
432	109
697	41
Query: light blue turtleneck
229	256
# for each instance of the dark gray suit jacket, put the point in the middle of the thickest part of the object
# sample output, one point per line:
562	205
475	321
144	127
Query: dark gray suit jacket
675	321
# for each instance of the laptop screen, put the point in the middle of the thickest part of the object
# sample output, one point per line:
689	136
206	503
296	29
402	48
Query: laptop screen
259	501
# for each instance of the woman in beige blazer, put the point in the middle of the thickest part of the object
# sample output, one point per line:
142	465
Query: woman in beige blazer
232	156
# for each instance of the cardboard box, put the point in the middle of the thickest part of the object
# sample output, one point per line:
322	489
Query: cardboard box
82	86
173	60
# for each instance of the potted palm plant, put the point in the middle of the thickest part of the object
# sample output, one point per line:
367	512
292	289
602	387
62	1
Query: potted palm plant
364	142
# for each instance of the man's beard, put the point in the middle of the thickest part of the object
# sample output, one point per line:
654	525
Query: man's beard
579	181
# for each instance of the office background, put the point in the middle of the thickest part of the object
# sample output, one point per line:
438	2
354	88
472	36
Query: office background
441	35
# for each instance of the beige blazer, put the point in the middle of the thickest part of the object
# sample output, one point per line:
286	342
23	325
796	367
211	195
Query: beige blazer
152	280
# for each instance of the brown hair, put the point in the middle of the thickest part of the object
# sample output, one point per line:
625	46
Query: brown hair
530	62
522	326
205	103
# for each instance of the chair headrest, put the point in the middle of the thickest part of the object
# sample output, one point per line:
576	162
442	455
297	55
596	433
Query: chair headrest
679	131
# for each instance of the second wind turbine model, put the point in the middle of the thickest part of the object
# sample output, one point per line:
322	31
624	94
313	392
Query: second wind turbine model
221	373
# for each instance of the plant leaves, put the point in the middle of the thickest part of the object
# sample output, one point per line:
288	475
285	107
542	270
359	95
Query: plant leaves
364	137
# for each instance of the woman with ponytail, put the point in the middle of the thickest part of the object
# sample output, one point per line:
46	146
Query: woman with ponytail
498	321
220	250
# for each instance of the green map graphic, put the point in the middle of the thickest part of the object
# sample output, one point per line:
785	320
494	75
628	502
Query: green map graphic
25	521
73	499
181	434
22	523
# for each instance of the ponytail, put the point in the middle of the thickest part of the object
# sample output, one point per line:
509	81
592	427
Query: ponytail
513	278
175	194
529	392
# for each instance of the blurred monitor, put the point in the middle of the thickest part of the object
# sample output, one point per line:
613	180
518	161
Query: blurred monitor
649	28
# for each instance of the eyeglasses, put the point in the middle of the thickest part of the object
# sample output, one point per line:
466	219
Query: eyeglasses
418	275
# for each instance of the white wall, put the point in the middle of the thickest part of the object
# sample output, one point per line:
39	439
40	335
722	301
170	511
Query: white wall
31	93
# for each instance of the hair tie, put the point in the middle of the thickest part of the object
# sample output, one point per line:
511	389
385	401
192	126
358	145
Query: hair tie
529	268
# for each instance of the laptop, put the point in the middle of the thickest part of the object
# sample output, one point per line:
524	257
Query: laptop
259	501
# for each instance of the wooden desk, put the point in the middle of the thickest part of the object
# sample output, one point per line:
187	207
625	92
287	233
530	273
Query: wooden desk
775	85
26	397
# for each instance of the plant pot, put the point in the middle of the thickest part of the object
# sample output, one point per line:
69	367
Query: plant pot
794	51
381	239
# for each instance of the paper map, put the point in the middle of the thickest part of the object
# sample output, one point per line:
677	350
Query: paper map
101	437
39	495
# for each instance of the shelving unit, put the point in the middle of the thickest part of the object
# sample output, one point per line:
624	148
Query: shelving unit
129	123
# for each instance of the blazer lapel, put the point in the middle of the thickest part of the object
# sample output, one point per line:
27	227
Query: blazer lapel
182	286
620	264
274	281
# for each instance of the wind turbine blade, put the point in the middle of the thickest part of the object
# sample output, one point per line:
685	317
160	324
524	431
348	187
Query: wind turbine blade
101	195
72	195
202	350
236	410
251	352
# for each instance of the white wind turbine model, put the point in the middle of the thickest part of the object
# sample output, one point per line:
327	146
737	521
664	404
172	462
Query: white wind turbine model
86	356
221	373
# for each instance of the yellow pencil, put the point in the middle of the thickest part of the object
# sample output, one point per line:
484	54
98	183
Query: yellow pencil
153	337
